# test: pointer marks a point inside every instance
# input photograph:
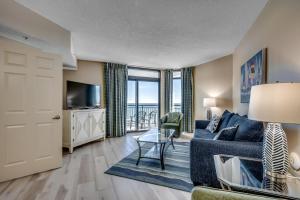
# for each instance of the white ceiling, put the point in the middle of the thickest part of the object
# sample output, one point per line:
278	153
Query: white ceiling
152	33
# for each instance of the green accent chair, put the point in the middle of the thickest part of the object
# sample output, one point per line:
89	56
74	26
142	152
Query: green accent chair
172	120
204	193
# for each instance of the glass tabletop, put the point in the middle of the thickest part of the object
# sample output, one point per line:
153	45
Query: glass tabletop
157	136
246	174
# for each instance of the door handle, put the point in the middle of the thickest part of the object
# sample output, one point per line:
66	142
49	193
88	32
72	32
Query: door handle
57	117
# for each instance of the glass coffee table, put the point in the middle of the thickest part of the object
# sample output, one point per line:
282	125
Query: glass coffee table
161	139
246	175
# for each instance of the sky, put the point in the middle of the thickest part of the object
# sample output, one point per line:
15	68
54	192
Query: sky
148	92
177	91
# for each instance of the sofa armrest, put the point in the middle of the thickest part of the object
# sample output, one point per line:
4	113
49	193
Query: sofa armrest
203	193
201	124
202	152
163	119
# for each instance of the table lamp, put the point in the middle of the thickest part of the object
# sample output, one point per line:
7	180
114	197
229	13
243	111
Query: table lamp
208	103
275	103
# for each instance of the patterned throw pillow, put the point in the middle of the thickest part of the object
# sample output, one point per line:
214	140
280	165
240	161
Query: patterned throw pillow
227	134
213	124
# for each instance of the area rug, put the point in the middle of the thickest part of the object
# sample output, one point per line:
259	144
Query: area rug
177	168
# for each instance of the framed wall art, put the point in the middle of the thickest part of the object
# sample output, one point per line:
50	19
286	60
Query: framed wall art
253	72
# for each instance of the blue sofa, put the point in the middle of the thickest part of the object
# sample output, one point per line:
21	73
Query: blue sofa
247	142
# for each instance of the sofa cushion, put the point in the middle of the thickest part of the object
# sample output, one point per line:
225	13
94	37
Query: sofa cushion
226	133
173	117
169	125
224	119
249	130
235	120
201	124
213	124
203	134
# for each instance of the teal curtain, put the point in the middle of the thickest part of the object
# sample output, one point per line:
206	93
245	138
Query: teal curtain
116	77
168	90
187	98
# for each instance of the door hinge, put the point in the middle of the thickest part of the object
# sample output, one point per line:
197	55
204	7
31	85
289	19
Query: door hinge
73	127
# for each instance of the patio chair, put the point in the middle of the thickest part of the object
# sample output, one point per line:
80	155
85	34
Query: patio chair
141	122
152	118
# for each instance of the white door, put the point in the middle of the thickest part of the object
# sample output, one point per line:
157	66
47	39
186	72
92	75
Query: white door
31	96
47	112
81	126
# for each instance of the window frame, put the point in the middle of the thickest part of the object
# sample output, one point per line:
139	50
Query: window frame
176	78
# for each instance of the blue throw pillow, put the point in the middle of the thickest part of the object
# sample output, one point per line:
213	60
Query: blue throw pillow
250	130
226	133
225	119
234	120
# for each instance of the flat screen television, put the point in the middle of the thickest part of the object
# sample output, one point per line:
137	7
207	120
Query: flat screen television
82	95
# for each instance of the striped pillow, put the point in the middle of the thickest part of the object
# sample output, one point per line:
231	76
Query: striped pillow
213	124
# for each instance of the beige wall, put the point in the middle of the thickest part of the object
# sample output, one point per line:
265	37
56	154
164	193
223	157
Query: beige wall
213	79
87	72
278	29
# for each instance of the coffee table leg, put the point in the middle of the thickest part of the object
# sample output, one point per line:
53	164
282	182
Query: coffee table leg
162	149
172	142
140	153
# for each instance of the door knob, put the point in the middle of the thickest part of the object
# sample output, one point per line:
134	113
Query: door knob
56	117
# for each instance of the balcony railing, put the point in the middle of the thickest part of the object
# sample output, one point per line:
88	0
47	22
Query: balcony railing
147	116
177	108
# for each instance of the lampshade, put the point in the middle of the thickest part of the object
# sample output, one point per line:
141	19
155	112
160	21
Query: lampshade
279	102
209	102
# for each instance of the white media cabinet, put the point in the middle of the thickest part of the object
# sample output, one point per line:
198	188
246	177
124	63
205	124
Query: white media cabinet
82	126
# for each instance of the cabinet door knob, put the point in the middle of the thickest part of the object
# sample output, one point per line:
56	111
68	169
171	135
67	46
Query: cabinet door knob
56	117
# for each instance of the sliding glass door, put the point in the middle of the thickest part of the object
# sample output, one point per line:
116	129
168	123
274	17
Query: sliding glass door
131	106
148	104
176	107
142	103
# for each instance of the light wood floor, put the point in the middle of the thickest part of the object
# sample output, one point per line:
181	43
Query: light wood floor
82	177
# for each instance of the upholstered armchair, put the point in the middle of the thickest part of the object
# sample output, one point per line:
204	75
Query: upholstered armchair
172	120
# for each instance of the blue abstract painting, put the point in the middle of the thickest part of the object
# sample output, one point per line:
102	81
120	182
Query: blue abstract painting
252	73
